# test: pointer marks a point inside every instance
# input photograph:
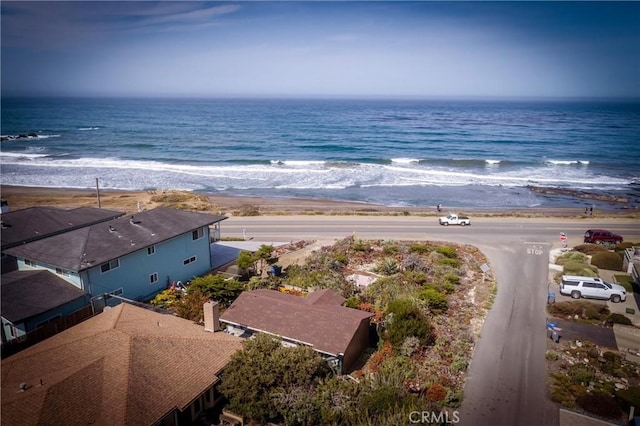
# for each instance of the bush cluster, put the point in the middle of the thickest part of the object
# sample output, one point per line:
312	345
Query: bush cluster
436	301
589	249
574	256
572	267
600	404
581	308
607	260
407	320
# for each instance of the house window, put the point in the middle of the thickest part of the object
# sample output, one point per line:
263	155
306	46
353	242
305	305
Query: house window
153	278
29	262
151	250
106	267
63	272
197	234
189	260
117	292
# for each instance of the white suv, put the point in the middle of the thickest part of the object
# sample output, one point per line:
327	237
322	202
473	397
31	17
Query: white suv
594	288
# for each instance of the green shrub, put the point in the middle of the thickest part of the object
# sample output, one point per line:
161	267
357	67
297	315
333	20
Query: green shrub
577	268
581	373
454	263
578	307
436	301
387	266
361	246
415	277
551	356
630	396
420	248
407	320
607	260
341	258
618	319
561	395
166	298
626	281
600	404
353	302
390	249
452	278
448	287
575	256
448	251
589	249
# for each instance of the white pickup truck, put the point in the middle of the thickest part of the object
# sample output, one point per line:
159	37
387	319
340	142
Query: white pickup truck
454	219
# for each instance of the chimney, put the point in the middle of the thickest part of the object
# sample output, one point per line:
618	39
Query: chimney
211	317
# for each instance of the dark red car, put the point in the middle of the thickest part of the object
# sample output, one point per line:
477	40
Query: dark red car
601	236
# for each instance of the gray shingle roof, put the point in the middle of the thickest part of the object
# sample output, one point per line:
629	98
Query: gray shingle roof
318	320
34	223
93	245
29	293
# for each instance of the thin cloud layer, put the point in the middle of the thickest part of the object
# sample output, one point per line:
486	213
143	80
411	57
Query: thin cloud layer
541	49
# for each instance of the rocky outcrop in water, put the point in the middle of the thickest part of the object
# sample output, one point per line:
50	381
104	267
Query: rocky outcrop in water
4	138
578	194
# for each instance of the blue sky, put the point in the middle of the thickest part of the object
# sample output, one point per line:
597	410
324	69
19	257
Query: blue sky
352	49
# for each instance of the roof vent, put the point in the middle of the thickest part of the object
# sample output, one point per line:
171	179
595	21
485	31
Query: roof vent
112	229
133	221
24	386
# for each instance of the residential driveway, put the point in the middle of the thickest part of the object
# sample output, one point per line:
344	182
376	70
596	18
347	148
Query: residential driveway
601	336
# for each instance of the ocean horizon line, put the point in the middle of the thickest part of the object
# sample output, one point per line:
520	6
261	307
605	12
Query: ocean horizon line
322	97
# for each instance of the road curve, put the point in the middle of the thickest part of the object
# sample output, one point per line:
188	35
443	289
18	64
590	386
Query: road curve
506	377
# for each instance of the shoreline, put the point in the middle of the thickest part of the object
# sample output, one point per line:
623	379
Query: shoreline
19	197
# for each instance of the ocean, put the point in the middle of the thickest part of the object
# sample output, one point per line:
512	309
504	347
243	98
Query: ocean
457	153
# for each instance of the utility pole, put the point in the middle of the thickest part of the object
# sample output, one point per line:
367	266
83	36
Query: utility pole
98	192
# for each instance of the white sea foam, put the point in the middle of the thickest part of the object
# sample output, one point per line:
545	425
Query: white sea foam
405	160
297	163
491	162
567	162
88	128
16	156
45	170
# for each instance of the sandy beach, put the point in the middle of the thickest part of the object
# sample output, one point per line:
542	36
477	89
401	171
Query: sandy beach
19	197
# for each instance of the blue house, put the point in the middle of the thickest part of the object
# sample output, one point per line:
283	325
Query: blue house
31	299
135	257
34	223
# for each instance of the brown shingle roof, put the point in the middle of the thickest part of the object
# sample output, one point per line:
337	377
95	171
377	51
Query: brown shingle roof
328	327
126	365
34	223
29	293
93	245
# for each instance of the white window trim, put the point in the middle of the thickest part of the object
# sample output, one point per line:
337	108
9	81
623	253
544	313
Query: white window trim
190	260
151	250
111	268
199	232
63	272
151	278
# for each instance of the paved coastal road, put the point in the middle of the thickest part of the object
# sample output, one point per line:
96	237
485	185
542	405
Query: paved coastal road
507	374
